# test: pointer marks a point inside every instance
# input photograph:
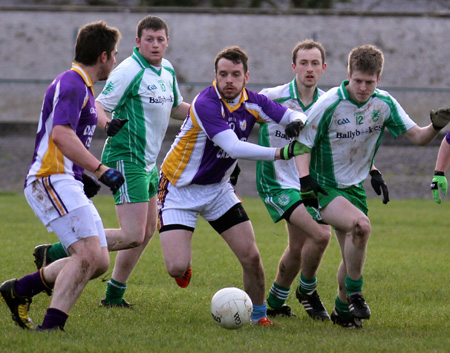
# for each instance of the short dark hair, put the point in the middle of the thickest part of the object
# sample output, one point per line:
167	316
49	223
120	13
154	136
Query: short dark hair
151	22
366	58
308	44
92	40
234	54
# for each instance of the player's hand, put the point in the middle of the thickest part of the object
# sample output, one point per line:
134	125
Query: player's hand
234	175
439	182
440	118
90	185
110	177
309	189
114	126
293	149
379	185
293	128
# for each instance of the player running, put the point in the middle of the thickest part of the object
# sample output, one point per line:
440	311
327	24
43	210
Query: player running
339	141
196	170
53	186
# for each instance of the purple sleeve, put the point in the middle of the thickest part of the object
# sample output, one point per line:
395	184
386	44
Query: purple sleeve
447	137
270	110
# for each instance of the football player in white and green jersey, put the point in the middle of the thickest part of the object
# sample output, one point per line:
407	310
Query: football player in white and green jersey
144	90
341	137
278	186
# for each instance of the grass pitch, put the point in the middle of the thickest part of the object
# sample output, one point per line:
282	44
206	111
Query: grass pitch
406	284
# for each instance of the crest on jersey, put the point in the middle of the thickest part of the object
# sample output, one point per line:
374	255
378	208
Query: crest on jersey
109	87
243	125
284	199
375	115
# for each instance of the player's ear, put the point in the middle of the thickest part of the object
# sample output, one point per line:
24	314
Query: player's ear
103	57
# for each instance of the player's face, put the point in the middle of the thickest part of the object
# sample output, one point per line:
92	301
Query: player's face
361	85
152	45
108	66
230	78
308	67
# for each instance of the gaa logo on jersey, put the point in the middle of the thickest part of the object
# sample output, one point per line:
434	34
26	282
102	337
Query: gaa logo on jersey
243	125
284	199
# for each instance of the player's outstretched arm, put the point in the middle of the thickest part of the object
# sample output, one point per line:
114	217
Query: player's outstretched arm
424	135
439	181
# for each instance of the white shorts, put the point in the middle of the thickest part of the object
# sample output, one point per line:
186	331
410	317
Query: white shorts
62	206
183	205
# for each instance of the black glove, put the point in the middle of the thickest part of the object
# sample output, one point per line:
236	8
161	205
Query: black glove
379	185
293	128
440	118
309	189
114	126
90	185
112	178
234	175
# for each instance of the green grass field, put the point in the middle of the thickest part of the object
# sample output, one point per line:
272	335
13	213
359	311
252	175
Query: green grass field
407	285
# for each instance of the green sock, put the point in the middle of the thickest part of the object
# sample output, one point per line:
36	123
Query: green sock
342	308
115	291
57	251
352	285
307	285
277	296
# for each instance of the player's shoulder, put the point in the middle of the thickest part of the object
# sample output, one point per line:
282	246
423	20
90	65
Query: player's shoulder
166	64
380	93
70	81
207	98
328	97
276	92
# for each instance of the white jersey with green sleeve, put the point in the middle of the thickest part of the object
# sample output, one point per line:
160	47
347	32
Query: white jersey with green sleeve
344	136
144	95
272	176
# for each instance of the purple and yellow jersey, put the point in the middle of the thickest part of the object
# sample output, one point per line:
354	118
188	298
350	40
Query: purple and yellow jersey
69	100
193	157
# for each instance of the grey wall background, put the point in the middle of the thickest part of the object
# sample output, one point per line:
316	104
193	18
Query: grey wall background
35	46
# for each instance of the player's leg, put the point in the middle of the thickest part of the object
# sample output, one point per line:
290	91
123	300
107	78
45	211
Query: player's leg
176	249
83	235
308	241
353	232
313	239
236	229
81	231
241	239
136	211
341	314
126	260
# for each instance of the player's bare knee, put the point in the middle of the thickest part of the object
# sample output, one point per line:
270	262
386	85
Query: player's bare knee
322	238
176	270
252	261
362	228
102	265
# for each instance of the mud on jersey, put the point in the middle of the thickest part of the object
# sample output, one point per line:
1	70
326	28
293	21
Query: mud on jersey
345	136
280	174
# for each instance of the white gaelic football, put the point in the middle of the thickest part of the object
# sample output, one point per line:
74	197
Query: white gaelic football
231	308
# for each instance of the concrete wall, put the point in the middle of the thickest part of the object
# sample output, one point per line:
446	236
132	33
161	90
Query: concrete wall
35	46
